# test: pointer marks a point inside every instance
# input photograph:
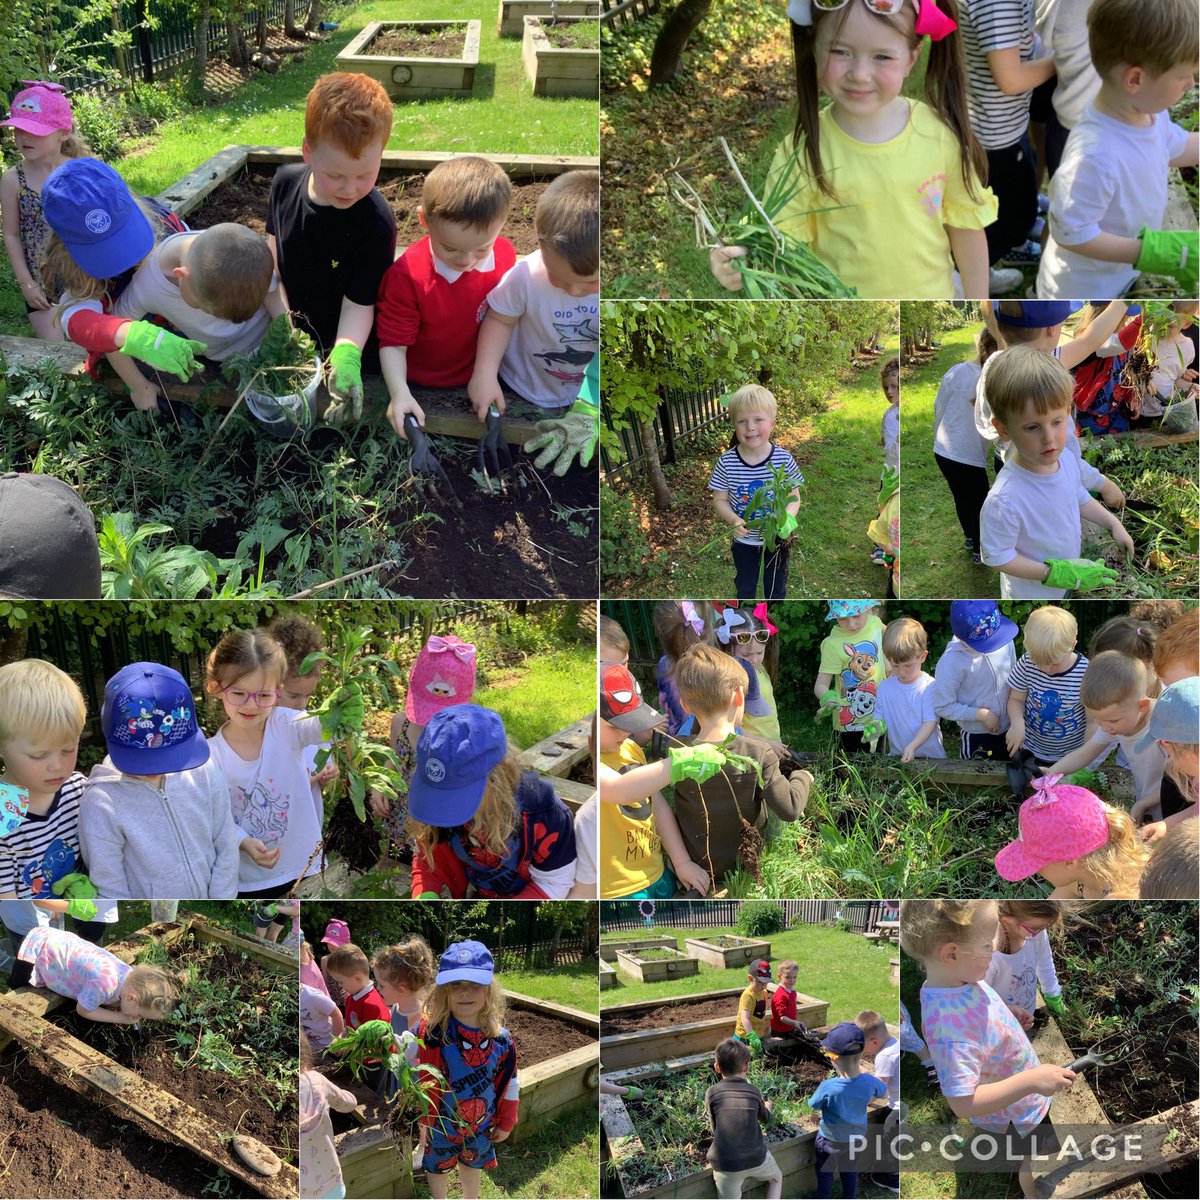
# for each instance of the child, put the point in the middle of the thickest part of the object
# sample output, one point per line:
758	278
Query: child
1174	375
433	297
869	143
103	987
1062	25
987	1069
543	320
320	1018
1045	713
1085	848
679	625
1177	649
880	1045
1022	960
1174	870
154	821
337	933
349	967
853	655
784	1022
403	973
713	815
735	1108
889	425
753	1021
911	1042
1173	725
971	678
1106	221
613	642
904	700
1030	524
260	751
320	1170
587	839
842	1103
742	489
1113	693
750	642
478	819
331	231
465	1040
310	972
45	137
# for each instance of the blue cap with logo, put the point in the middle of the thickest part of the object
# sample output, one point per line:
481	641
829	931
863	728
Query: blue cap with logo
457	751
981	624
1040	314
470	962
1176	715
149	721
844	1038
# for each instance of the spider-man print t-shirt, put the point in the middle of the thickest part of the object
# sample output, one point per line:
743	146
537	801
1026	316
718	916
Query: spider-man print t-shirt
748	485
974	1040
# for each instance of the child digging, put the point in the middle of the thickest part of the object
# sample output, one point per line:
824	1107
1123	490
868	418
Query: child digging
735	1109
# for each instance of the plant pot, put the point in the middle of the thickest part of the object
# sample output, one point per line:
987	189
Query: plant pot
285	416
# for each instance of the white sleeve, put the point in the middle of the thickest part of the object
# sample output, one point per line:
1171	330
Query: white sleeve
510	297
1047	977
999	527
1081	199
557	883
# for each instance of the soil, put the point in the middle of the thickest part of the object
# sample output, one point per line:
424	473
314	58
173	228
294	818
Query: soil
413	41
654	954
669	1015
725	942
573	35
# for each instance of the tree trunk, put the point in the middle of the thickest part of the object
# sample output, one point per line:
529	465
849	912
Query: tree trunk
235	42
200	51
12	645
663	496
289	21
260	31
672	39
591	932
314	16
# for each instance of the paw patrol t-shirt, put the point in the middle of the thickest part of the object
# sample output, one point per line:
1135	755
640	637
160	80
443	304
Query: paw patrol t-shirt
855	660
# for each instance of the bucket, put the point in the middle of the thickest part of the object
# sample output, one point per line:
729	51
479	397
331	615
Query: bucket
285	416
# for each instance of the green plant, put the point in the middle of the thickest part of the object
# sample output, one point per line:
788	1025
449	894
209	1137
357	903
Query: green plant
281	366
100	124
759	917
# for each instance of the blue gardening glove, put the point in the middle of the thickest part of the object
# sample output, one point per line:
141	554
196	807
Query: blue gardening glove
1055	1005
698	762
1171	252
75	886
1078	574
829	702
343	377
160	348
81	910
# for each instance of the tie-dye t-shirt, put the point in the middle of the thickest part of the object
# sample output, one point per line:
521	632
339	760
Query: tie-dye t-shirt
68	965
974	1040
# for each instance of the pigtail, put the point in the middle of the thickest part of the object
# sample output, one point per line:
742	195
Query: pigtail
807	132
946	94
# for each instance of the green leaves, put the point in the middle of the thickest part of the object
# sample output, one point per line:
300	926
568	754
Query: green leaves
281	366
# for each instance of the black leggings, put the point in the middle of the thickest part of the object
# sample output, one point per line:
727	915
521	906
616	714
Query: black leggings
969	487
1012	176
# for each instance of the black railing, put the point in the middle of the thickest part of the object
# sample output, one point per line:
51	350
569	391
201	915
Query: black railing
679	419
627	915
619	13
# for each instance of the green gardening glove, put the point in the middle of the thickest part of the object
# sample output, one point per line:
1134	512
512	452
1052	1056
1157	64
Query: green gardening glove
1078	574
75	886
889	483
1055	1005
1171	252
873	728
695	762
787	526
830	701
754	1042
81	910
343	378
561	439
160	348
428	896
634	1093
1085	779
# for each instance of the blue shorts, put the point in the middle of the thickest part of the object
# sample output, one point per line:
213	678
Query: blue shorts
442	1154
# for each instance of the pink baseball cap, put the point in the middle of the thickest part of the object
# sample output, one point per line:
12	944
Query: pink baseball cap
337	933
1058	824
41	108
443	675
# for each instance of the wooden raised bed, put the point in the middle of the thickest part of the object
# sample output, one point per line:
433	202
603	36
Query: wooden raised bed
608	977
608	950
415	77
894	971
555	71
514	12
738	954
982	772
655	970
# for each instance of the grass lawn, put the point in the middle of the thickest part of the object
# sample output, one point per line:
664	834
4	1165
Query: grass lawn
843	968
574	985
547	693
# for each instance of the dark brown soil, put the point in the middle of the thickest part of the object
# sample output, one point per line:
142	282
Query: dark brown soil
413	41
670	1015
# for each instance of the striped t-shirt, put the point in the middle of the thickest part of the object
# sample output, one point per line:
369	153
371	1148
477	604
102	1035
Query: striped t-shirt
44	848
1055	720
747	485
988	25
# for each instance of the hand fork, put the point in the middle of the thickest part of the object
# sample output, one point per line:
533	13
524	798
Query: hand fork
1094	1059
493	449
424	462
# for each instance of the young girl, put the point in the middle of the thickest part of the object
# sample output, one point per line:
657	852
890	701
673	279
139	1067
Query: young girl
337	933
103	987
959	450
310	972
753	641
889	433
679	625
911	1042
1173	724
742	488
260	751
320	1171
44	126
853	656
479	820
1087	849
464	1039
987	1069
874	169
1022	960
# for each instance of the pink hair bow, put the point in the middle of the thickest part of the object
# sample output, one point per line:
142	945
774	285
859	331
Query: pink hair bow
1043	791
692	617
930	20
463	651
760	611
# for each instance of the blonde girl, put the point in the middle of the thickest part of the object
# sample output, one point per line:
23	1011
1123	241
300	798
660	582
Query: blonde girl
403	974
1022	960
260	751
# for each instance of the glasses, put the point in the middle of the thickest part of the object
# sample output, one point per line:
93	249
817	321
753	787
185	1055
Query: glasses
1026	930
886	8
745	636
240	699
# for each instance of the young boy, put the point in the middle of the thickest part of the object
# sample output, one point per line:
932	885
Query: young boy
970	681
331	231
1108	198
783	1002
1045	713
735	1108
753	1021
879	1044
155	819
712	814
434	296
543	322
904	701
1174	870
349	967
889	425
1030	524
613	641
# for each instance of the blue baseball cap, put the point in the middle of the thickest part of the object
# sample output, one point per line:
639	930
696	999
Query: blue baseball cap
470	962
1040	314
92	209
844	1038
981	624
149	721
457	751
1176	715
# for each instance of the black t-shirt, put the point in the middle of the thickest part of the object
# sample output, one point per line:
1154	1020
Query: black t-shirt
326	253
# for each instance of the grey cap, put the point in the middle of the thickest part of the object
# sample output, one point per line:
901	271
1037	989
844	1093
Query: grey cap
48	547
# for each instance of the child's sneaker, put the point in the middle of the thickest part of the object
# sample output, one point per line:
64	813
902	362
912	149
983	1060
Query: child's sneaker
931	1076
1036	230
1002	280
889	1183
968	543
877	557
1043	204
1027	254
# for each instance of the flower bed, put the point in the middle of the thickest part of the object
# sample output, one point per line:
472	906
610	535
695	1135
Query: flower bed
654	965
726	950
514	12
416	60
566	65
608	950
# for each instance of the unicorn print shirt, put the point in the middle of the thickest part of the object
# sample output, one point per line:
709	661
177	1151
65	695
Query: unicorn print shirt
1016	977
975	1040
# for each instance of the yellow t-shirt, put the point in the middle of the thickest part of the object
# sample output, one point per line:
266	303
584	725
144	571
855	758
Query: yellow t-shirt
766	727
856	672
630	851
754	1012
901	194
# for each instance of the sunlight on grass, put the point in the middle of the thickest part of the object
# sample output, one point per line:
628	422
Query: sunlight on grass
575	985
555	689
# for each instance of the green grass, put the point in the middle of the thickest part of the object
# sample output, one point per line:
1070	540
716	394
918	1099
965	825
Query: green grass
548	693
843	968
574	985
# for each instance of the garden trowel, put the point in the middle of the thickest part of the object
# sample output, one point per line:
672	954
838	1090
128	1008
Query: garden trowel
1094	1059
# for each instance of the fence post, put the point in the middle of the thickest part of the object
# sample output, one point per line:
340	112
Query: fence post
143	36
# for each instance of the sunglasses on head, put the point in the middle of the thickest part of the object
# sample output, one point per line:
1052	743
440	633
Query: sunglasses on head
885	8
745	636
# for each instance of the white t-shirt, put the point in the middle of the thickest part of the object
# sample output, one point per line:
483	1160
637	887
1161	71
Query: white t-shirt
887	1068
586	835
272	797
889	429
1175	355
1113	178
151	292
906	707
1016	977
554	338
1146	766
1033	515
1062	25
955	436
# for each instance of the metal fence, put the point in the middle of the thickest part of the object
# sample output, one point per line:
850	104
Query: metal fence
861	915
619	13
679	419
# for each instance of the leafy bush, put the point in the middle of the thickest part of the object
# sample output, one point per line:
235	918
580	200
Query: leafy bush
758	917
624	549
100	123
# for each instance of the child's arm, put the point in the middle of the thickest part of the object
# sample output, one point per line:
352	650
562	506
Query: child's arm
1046	1080
969	247
142	392
445	874
31	292
337	1022
725	512
923	734
793	501
108	1016
102	846
1077	759
823	684
1015	737
281	291
634	785
689	873
1072	353
1191	152
786	798
1013	76
227	840
393	362
484	388
1158	829
1094	511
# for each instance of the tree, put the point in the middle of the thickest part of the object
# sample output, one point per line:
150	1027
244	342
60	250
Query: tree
290	28
200	49
314	16
667	56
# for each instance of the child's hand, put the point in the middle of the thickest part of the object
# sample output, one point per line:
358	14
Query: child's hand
1023	1015
1014	739
1141	808
501	1135
259	853
327	774
720	262
1049	1080
988	719
144	395
400	407
1122	538
380	804
1111	494
692	875
485	392
34	296
163	349
908	754
1153	832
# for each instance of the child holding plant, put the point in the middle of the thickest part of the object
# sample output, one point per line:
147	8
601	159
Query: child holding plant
753	1020
735	1109
755	488
852	654
320	1170
1022	960
873	169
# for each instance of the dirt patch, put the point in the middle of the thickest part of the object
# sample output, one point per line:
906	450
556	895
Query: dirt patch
573	35
412	40
670	1015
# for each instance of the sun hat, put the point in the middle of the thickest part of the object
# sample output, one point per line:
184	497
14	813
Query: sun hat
1058	823
14	804
848	608
844	1038
40	108
761	970
1176	716
442	676
1040	314
92	209
621	702
980	624
149	721
470	962
337	933
456	753
48	545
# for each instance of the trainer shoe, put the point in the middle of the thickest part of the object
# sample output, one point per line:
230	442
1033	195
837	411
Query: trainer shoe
1027	254
1002	280
888	1182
